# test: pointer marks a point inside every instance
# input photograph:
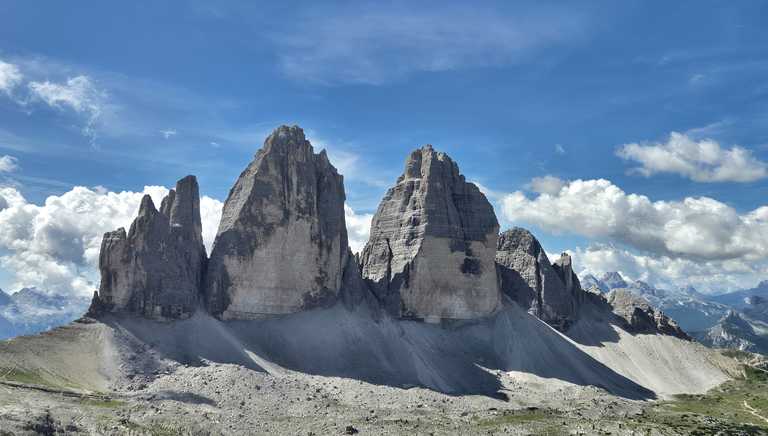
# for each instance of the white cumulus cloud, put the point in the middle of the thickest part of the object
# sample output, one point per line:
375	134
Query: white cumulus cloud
55	246
10	77
701	161
670	272
699	227
546	185
358	228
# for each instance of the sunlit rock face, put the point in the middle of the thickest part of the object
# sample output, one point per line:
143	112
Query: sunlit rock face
549	291
639	317
433	239
282	241
157	268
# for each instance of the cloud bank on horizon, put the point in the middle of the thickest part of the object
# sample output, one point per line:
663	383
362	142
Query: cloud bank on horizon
648	156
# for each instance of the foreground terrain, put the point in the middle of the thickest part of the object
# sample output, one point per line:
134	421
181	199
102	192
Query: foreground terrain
335	371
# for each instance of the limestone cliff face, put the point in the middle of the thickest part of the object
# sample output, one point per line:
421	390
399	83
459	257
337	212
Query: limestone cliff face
432	245
155	269
282	241
550	292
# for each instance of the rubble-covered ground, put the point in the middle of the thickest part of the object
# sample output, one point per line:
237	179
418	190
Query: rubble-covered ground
336	372
230	399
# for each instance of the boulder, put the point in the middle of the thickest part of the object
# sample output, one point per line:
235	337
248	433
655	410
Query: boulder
155	269
431	250
282	242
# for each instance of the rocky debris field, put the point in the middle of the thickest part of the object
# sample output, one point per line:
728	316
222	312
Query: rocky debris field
233	400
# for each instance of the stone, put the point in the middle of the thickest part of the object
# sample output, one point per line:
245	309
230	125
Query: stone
156	269
550	292
282	242
432	245
637	316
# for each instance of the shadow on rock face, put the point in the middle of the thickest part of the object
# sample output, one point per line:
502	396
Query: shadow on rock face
460	359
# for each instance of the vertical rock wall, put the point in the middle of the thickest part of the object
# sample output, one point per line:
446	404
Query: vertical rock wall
432	245
282	241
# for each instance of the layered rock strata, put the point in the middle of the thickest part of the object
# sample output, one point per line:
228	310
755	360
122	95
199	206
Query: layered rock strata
156	268
433	240
282	243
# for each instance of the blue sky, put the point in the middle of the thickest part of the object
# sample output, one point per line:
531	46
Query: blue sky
142	93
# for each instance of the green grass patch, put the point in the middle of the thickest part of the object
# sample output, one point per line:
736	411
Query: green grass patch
737	354
719	410
26	377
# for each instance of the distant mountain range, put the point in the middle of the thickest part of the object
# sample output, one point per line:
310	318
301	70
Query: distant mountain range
739	299
737	320
30	311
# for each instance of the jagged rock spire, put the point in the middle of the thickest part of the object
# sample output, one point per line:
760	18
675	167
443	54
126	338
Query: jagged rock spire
155	269
282	242
550	292
432	244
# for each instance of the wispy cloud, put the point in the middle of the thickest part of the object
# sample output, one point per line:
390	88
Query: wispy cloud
10	77
79	94
375	44
168	133
8	164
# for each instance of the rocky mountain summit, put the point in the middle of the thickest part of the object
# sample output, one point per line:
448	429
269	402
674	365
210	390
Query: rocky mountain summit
156	269
282	241
735	331
613	280
745	329
31	310
693	311
432	244
434	252
640	317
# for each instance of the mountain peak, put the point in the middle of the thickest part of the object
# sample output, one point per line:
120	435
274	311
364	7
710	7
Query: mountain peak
613	280
432	213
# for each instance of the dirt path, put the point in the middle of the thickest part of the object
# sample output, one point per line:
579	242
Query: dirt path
752	410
